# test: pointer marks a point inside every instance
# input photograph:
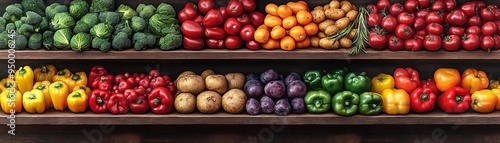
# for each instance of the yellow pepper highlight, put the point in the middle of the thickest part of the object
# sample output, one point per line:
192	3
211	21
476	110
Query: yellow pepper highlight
77	101
58	93
382	81
33	101
24	79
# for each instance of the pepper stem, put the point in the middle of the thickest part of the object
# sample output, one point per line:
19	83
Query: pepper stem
75	77
100	101
458	99
76	94
61	72
374	105
157	100
31	96
139	101
22	71
318	103
424	97
347	104
44	69
58	85
41	87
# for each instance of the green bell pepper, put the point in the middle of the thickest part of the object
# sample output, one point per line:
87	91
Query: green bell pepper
370	103
341	71
357	83
332	83
312	79
317	101
345	103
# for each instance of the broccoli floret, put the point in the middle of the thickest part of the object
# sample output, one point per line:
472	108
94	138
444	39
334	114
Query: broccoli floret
151	40
18	24
109	17
4	40
102	30
138	24
35	41
81	42
48	39
81	27
102	5
139	41
90	19
26	29
13	13
62	38
44	25
166	9
126	12
55	8
170	41
121	41
146	11
78	8
101	44
123	27
21	42
37	6
3	23
162	25
10	27
33	18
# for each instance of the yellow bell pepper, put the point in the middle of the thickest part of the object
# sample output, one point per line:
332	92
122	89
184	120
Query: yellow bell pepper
33	101
84	88
474	80
382	81
44	87
7	83
45	73
78	78
58	93
24	79
483	101
497	93
61	75
494	84
395	101
77	101
11	102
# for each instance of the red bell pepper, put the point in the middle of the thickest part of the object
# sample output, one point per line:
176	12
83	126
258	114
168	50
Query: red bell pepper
98	99
130	95
189	12
119	78
170	84
131	81
117	104
141	91
153	73
95	72
430	83
103	83
422	100
158	81
406	79
161	100
139	105
454	100
124	85
213	18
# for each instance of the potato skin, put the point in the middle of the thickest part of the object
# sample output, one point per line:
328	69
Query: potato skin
185	103
235	80
206	73
217	83
191	84
208	102
234	101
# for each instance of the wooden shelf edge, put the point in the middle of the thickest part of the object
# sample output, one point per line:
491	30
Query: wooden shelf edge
222	118
299	54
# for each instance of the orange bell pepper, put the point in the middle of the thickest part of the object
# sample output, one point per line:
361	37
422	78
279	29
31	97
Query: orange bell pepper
497	93
446	78
45	73
11	102
483	101
61	75
474	80
78	78
7	83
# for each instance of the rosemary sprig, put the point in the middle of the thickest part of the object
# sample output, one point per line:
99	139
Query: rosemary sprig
361	36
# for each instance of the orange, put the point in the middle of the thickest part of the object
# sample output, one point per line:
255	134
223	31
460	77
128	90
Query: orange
304	3
304	17
278	32
297	6
263	27
271	44
311	29
284	11
271	21
287	43
289	22
261	35
304	44
272	9
298	33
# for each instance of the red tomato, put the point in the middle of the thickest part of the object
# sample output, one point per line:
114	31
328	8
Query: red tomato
487	43
433	17
479	4
497	23
232	26
215	43
234	8
372	8
411	5
487	14
421	13
246	33
396	8
244	19
205	5
469	9
456	31
473	30
199	19
373	19
421	34
419	23
248	5
406	18
451	42
413	44
188	12
457	18
377	40
215	32
383	4
424	3
389	23
450	5
404	31
437	5
496	12
474	21
223	11
233	42
497	41
432	42
257	18
489	28
192	29
192	44
434	29
470	42
252	45
395	43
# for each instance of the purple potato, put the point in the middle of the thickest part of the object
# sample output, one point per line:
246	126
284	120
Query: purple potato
298	105
253	106
282	108
268	76
267	104
275	89
254	89
291	77
296	89
252	76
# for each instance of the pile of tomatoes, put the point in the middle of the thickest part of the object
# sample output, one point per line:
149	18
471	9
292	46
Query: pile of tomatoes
420	24
228	26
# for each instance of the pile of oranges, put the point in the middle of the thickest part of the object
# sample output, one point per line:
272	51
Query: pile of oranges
286	26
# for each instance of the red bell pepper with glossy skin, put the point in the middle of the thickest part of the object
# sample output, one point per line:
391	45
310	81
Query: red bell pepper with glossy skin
170	85
117	104
257	18
95	72
140	90
130	95
205	6
215	32
161	100
158	81
192	29
234	8
122	86
120	77
232	26
103	83
407	79
431	84
215	43
213	18
192	44
189	12
454	100
98	99
139	105
154	73
422	100
247	32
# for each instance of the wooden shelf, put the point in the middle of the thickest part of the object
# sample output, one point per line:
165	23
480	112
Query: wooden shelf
300	54
88	118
